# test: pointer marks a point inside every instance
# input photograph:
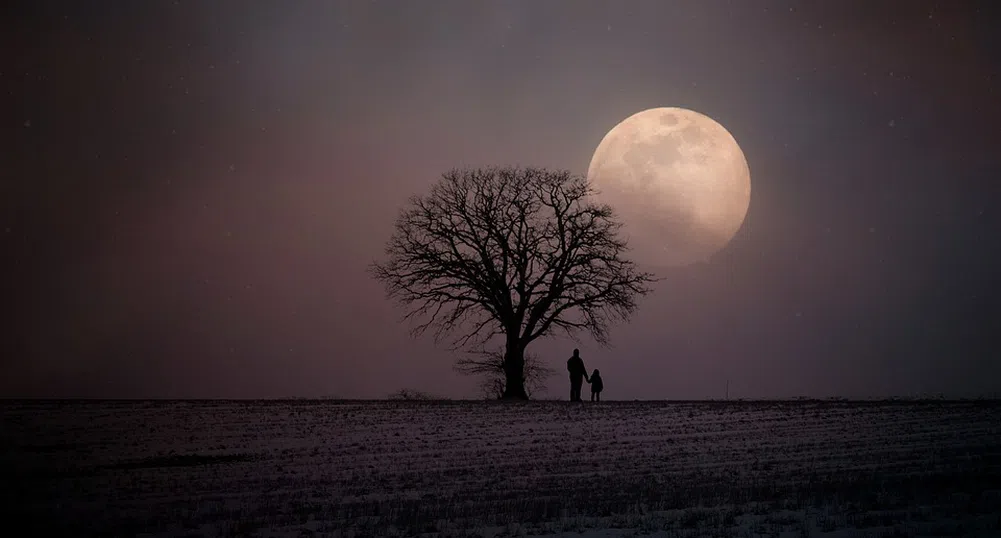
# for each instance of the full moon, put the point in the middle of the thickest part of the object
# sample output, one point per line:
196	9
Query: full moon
678	182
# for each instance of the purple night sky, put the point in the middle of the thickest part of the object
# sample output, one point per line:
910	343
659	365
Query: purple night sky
190	192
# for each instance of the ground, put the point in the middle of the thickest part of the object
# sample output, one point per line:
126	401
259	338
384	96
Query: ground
398	468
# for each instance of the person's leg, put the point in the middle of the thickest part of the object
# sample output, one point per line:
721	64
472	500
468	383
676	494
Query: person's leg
597	395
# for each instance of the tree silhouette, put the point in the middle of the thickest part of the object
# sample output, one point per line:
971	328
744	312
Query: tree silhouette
489	366
510	252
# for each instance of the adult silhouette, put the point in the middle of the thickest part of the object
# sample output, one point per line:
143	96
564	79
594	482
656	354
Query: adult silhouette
575	365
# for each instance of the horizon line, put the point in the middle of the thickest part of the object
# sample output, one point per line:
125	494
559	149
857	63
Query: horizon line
795	399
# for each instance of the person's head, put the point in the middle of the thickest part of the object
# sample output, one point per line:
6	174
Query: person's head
596	373
576	352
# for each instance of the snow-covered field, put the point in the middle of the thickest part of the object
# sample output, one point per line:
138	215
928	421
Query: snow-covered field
328	468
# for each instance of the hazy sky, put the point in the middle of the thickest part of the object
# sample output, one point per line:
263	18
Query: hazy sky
190	191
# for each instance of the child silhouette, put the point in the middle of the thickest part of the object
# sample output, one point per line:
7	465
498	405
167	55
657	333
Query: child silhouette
596	386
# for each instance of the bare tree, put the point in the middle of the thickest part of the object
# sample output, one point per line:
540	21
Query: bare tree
489	366
510	252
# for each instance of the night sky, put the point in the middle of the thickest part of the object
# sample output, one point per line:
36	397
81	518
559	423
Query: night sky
190	192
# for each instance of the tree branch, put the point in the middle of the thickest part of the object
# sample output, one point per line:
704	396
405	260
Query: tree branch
510	251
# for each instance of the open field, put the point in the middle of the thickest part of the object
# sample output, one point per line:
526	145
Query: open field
328	468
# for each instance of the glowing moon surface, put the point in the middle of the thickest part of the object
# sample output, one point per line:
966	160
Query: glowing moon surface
677	180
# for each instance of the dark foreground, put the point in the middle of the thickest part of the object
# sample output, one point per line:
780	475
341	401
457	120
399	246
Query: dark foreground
322	468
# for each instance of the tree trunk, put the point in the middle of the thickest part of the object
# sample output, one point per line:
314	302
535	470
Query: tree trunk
514	372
